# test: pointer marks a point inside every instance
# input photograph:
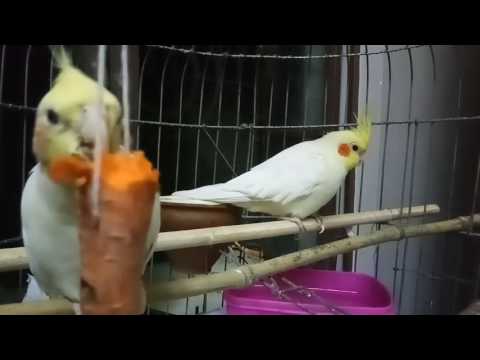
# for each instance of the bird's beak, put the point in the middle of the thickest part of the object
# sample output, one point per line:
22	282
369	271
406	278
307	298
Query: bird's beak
84	149
87	148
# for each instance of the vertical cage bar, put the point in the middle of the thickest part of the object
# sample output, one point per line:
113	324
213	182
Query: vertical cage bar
360	195
24	136
270	106
239	98
251	137
219	119
160	112
180	121
307	92
25	119
404	180
448	236
137	145
285	118
200	119
426	199
412	179
384	152
139	110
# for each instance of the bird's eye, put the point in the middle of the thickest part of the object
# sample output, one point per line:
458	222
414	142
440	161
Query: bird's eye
355	148
52	117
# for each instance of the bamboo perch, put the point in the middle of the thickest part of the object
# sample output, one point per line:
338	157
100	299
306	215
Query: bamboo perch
44	307
174	240
16	258
245	275
13	259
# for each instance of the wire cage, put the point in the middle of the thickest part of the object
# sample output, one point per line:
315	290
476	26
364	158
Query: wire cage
205	114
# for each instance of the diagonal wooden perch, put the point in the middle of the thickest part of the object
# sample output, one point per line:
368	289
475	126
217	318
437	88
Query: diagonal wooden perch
16	258
245	275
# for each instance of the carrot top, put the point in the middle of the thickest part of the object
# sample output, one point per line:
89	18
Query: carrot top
119	170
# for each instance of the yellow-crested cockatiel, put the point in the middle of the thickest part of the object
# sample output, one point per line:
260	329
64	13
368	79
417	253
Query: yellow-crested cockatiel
296	182
48	210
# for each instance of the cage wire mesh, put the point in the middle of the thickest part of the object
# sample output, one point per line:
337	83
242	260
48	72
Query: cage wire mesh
204	114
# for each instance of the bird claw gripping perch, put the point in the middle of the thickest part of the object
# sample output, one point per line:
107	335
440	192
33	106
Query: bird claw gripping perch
319	220
349	231
297	221
301	226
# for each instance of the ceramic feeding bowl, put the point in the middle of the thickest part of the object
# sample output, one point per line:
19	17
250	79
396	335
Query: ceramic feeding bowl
187	215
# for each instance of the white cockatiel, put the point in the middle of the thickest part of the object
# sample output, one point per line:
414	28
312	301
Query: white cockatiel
296	182
48	210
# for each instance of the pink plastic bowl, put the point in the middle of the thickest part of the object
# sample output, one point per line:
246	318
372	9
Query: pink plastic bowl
353	293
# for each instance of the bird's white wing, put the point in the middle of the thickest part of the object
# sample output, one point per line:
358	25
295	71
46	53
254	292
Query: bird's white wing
290	175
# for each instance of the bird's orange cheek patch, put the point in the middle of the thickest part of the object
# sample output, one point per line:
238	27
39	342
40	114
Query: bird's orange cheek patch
40	141
344	150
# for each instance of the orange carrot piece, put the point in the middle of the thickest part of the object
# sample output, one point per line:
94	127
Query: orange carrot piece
70	170
113	247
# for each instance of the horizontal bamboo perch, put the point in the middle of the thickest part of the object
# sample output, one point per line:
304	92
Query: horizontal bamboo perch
44	307
246	274
236	233
16	259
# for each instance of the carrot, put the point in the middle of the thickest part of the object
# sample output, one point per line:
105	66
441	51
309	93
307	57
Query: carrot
122	170
71	170
118	170
113	247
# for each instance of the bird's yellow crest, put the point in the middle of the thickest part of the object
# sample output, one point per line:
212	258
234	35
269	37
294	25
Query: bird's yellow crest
364	129
60	56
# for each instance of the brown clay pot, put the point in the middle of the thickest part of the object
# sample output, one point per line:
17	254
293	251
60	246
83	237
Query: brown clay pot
178	216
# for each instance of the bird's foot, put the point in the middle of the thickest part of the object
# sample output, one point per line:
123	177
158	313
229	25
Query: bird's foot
349	231
319	220
297	221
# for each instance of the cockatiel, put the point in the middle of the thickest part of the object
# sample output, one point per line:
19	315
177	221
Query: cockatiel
298	181
48	210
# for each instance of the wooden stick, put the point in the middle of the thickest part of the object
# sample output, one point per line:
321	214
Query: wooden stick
13	259
228	234
16	258
44	307
245	275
